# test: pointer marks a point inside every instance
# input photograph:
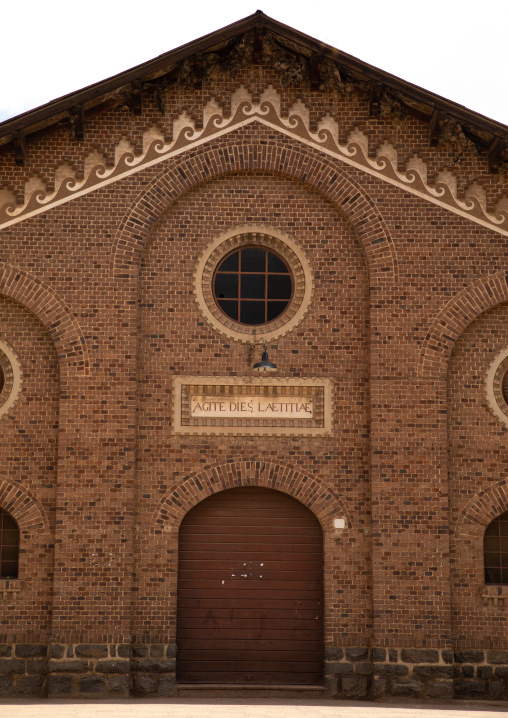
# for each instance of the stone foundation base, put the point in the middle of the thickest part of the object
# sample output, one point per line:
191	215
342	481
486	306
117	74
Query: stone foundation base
99	670
153	670
91	670
379	673
87	670
23	669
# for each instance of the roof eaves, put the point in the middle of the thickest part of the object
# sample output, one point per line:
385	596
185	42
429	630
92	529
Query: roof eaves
91	95
144	70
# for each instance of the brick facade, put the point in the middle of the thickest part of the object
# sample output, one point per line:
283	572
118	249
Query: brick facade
409	308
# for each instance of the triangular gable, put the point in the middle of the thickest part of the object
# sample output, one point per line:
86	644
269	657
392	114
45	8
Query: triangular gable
267	111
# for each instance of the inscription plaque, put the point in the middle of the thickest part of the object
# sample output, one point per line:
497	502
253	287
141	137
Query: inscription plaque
250	406
269	406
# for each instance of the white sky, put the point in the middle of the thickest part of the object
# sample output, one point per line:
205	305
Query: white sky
454	48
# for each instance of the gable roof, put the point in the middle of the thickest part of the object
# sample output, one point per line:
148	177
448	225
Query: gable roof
488	135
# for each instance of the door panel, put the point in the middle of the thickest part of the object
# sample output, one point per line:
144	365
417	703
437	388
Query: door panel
250	591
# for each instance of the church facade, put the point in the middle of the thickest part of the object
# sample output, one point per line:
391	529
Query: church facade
253	381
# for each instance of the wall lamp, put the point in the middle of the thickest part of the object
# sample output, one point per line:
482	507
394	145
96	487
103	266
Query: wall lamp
265	365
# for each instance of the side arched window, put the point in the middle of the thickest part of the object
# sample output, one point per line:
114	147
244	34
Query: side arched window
9	546
495	550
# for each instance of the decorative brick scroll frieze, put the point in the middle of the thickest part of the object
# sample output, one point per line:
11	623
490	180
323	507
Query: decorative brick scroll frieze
245	110
44	302
225	405
456	315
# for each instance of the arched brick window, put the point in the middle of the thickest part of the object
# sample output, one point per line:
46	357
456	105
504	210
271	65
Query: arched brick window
9	546
495	547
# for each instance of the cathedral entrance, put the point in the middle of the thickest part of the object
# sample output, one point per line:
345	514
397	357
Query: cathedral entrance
250	591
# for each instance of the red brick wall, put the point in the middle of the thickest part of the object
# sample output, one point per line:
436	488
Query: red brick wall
28	473
175	340
477	446
392	322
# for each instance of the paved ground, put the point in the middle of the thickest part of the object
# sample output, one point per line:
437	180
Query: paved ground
244	708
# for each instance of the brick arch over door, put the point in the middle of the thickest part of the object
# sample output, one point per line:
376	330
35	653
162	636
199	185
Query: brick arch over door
452	320
310	491
295	162
480	510
41	300
22	505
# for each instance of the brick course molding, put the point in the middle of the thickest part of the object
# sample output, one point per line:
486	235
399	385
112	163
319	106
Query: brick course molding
455	317
244	110
311	491
44	302
190	171
23	506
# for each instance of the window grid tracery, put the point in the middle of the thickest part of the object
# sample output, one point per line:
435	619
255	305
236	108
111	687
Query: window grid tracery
252	285
9	546
495	544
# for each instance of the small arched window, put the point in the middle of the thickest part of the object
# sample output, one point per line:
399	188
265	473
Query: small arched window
495	550
9	546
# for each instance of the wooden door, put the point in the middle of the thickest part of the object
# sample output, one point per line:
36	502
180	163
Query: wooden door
250	591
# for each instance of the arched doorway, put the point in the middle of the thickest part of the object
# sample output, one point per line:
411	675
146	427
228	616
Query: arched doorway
250	591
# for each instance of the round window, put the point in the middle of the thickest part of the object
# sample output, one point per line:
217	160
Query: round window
251	285
10	377
497	386
504	387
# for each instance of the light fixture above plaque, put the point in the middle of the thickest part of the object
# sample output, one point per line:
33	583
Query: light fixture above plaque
265	365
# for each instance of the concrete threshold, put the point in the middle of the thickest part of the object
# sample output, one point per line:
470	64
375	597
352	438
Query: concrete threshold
248	690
